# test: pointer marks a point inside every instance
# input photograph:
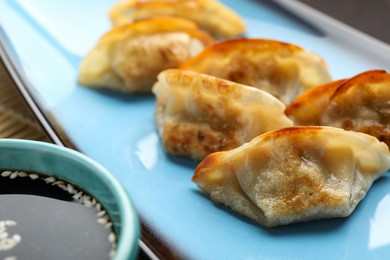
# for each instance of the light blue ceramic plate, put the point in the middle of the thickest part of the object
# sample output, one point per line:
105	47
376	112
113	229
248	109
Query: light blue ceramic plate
73	167
47	40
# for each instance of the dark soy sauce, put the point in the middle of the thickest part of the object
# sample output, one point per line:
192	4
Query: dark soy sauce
41	220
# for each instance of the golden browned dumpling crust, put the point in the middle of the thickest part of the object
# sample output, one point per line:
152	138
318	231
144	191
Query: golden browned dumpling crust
361	103
210	15
128	58
308	107
198	114
283	70
295	174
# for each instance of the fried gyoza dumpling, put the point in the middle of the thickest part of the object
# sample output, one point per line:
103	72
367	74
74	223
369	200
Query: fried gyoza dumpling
284	70
210	15
308	107
295	174
129	57
361	103
198	114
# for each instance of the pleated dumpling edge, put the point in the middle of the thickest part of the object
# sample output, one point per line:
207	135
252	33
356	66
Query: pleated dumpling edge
198	114
295	174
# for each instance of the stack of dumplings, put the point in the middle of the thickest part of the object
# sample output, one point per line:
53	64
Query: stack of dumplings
278	140
309	171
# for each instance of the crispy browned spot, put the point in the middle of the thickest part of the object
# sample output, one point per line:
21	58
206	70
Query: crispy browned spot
308	97
159	24
355	95
190	140
251	45
371	76
212	160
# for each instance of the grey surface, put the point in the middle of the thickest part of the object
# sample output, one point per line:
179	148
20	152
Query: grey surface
369	16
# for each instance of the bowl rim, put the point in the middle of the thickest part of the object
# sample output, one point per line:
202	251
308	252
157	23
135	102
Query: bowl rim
127	242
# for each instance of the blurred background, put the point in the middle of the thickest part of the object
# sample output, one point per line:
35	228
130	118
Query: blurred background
369	16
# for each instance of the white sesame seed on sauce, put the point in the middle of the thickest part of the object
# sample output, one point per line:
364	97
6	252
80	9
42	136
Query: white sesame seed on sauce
50	179
10	223
78	195
14	175
70	188
98	207
101	213
33	176
11	258
112	238
6	173
22	174
17	238
8	242
58	183
108	225
102	221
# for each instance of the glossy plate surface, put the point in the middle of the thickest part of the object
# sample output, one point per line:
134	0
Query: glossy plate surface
48	40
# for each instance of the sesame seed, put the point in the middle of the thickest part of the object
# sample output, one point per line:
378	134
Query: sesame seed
87	200
22	174
112	237
108	225
17	238
6	173
7	244
50	179
101	213
33	176
88	204
10	223
70	187
13	175
11	258
102	221
58	183
78	195
3	235
62	186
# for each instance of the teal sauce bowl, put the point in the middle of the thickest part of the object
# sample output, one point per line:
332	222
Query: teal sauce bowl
73	167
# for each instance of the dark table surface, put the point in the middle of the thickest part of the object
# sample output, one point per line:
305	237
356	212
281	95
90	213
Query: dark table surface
369	16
